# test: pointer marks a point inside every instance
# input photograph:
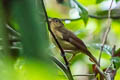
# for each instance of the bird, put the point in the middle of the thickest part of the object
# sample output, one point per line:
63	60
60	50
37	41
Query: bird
68	40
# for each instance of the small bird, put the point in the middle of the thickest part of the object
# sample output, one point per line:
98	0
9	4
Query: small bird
68	40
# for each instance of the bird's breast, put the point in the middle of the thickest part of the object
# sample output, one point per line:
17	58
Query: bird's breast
64	44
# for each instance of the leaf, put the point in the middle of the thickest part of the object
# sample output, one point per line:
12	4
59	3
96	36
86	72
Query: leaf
31	20
64	2
116	62
117	53
6	63
106	48
62	66
84	14
117	0
3	33
99	1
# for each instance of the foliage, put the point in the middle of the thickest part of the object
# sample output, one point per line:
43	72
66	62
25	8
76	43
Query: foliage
99	1
32	61
25	51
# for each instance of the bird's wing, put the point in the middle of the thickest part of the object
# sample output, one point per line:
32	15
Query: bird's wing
73	39
77	40
69	37
79	44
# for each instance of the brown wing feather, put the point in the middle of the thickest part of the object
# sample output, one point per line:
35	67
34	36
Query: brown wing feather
78	40
83	49
70	37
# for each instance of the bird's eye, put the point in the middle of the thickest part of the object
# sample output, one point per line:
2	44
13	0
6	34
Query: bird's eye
56	20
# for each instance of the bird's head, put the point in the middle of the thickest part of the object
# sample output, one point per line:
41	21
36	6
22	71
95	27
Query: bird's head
55	23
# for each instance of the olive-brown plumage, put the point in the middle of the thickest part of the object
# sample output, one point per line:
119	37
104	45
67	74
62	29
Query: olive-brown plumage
68	41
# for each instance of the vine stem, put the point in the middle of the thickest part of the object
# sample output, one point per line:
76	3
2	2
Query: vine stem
59	46
106	32
92	16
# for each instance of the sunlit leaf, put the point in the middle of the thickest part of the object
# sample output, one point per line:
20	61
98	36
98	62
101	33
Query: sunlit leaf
87	2
117	77
84	12
34	70
106	48
99	1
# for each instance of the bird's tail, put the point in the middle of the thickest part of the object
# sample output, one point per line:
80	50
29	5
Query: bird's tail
93	58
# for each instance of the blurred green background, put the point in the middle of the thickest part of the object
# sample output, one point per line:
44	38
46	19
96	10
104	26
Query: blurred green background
35	48
91	32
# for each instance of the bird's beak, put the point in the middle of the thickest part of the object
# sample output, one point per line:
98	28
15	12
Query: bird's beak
50	20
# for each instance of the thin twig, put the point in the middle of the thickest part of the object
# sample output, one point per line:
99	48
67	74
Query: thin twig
84	75
63	67
92	16
76	75
106	32
62	51
108	70
100	71
104	17
60	65
13	31
113	50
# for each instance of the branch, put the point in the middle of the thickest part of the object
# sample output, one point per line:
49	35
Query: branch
61	65
59	46
110	71
104	17
100	71
11	30
113	50
92	16
107	31
84	75
76	75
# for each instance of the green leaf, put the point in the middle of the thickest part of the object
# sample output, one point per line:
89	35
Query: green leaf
31	20
117	53
4	46
106	48
62	66
116	61
84	14
118	50
99	1
6	63
117	0
30	17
